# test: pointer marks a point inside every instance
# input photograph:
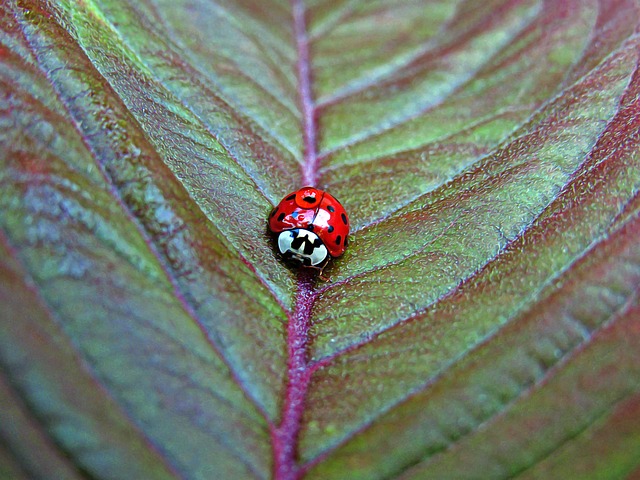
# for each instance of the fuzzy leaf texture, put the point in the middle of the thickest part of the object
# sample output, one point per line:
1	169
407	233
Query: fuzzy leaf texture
484	322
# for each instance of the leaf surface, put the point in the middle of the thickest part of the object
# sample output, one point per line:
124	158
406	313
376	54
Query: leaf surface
484	321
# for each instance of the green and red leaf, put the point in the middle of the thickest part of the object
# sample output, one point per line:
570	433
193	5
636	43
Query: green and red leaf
484	321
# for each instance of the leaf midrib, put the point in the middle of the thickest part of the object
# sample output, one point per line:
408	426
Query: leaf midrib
285	435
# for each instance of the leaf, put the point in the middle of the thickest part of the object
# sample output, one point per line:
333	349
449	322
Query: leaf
484	321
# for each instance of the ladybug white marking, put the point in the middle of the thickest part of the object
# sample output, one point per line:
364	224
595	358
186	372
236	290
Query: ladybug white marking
322	217
302	246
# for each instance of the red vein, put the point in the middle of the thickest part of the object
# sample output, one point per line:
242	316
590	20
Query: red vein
307	103
285	435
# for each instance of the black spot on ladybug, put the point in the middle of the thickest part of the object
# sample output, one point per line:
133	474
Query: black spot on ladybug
344	218
290	197
310	228
281	217
331	209
309	199
308	247
330	228
338	239
273	212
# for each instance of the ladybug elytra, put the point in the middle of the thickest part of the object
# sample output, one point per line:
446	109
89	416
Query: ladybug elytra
312	226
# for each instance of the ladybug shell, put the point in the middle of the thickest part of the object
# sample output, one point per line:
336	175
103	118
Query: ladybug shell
314	210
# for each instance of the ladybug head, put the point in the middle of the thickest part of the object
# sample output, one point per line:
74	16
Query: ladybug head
308	197
302	247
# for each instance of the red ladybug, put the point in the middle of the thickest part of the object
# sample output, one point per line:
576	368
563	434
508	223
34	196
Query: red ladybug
312	225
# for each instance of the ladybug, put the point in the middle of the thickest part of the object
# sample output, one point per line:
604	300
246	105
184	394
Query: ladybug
312	226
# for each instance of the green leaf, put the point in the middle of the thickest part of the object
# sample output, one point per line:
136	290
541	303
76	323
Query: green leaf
484	321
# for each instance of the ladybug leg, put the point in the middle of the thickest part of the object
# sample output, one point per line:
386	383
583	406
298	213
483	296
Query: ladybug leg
320	276
319	270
